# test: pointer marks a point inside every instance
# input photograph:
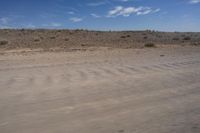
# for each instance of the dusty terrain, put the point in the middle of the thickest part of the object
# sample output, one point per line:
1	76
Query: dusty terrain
102	90
72	40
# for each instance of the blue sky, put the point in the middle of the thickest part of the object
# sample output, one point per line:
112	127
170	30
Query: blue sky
162	15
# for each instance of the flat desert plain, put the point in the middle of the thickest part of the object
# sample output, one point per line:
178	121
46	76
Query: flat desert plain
100	90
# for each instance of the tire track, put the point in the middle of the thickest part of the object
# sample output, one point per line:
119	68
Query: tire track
93	71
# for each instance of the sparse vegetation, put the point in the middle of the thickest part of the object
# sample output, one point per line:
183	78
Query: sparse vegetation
187	38
36	40
41	38
145	37
123	37
22	30
3	42
196	43
83	45
176	39
52	37
149	45
66	39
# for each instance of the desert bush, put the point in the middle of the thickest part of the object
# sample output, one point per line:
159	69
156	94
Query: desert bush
83	45
128	35
145	37
52	37
196	43
175	39
66	39
22	30
187	38
36	40
3	42
123	37
149	45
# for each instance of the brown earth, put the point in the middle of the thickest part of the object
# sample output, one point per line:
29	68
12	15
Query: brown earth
100	90
68	40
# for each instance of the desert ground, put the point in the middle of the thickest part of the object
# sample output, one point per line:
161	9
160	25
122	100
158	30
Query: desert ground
87	87
72	40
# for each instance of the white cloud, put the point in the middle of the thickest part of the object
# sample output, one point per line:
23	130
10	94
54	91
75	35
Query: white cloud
124	0
53	24
115	11
5	27
95	15
194	1
31	26
71	12
127	11
4	20
76	19
144	12
157	10
96	4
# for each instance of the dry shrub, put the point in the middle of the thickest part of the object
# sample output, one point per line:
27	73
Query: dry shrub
3	42
66	39
123	37
176	39
145	37
52	37
149	45
196	43
187	38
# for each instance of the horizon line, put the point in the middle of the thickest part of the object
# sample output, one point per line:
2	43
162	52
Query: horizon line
93	30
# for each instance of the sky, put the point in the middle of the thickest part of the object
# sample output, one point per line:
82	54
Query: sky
160	15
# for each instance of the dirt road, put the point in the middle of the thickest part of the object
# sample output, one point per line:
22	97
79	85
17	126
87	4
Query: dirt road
103	91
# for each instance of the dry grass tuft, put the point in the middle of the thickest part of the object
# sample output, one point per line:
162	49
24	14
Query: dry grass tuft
150	45
3	42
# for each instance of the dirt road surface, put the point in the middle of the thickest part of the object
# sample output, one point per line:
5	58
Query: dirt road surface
102	91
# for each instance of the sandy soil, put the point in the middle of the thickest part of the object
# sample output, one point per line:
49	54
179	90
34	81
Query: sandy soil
70	40
101	91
